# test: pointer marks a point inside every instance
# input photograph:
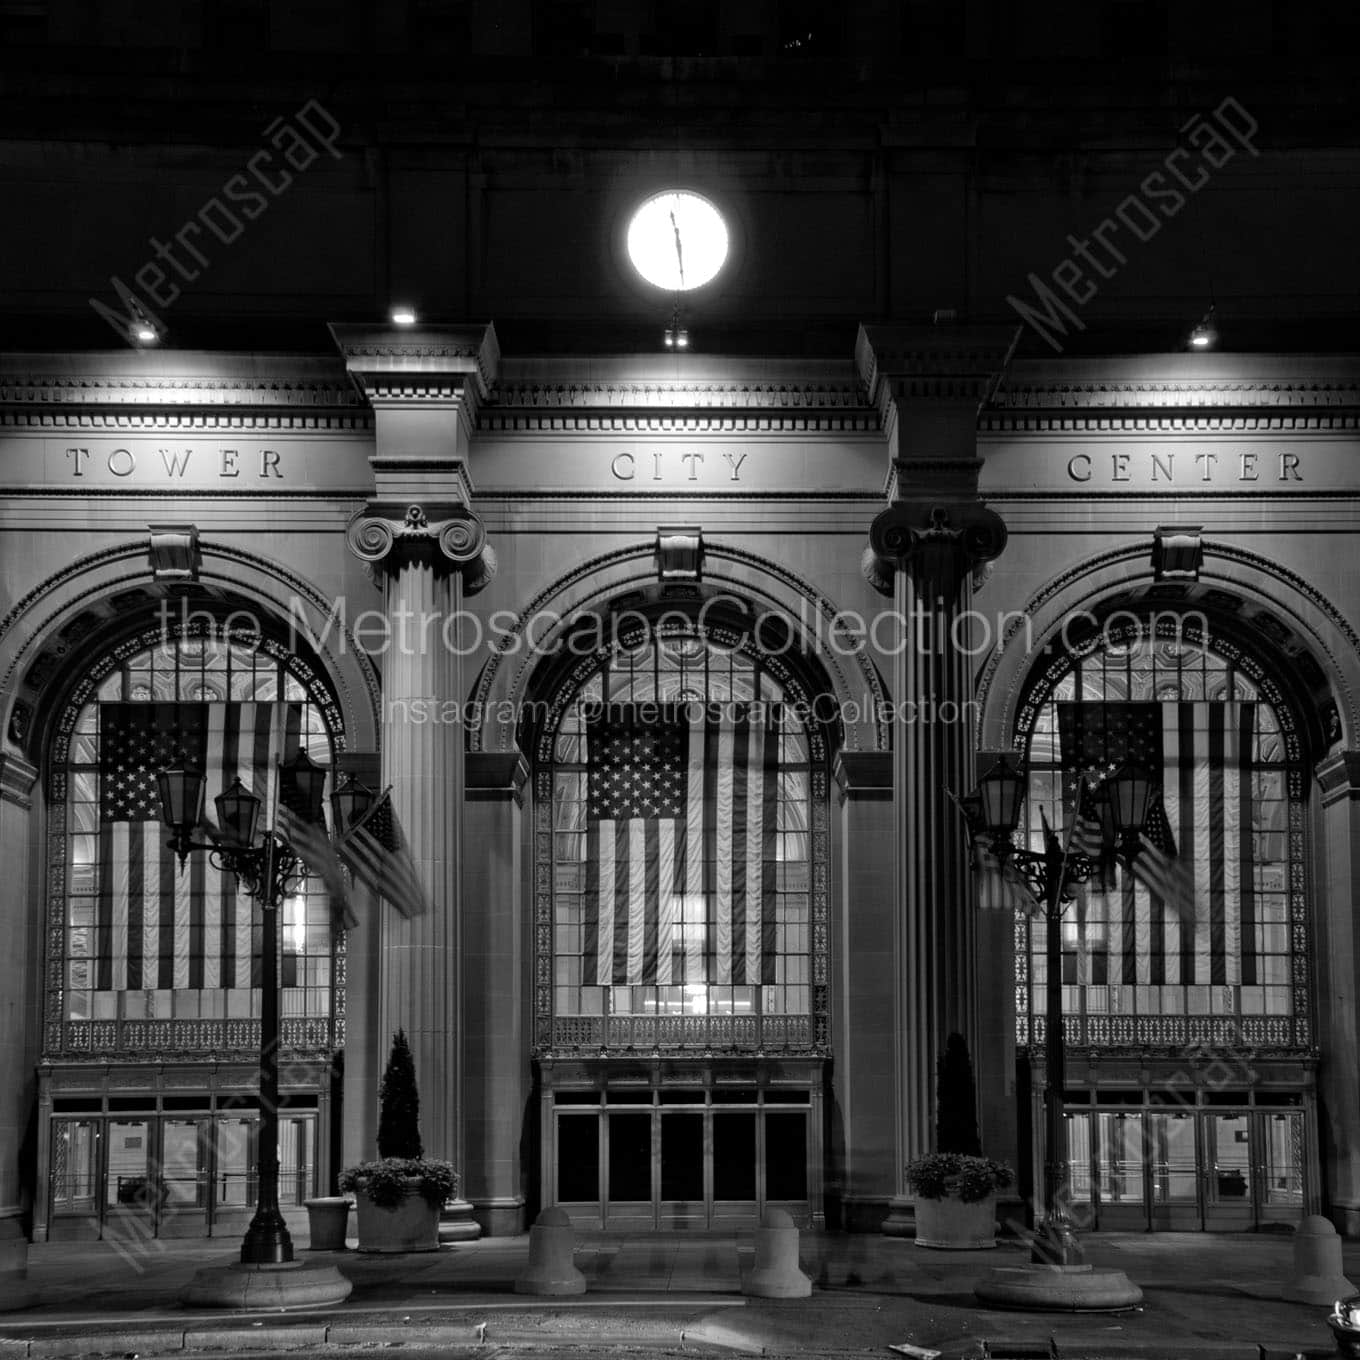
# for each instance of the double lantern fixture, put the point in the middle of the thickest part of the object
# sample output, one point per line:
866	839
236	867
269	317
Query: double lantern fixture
269	869
1118	806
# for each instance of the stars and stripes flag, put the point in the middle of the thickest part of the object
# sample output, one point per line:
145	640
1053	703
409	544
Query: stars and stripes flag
304	828
1185	914
157	927
681	811
375	852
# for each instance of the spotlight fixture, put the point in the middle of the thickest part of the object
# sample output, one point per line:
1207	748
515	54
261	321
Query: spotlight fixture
403	315
676	337
1205	335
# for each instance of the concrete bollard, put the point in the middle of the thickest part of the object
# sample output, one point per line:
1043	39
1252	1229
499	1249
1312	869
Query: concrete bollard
1317	1274
551	1268
776	1274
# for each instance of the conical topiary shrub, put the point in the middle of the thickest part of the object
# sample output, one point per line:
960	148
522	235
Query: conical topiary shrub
399	1196
399	1104
956	1127
956	1186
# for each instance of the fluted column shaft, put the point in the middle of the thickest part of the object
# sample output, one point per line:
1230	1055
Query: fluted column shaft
933	551
425	560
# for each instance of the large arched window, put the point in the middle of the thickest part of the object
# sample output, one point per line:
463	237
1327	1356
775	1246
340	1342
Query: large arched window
1224	749
135	939
688	887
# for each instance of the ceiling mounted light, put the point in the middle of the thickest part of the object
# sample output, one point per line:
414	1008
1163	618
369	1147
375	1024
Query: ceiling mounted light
403	315
1205	335
677	240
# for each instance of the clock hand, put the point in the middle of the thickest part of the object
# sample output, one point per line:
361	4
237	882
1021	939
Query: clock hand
679	256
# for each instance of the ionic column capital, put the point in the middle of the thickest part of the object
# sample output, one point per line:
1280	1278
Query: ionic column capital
447	535
931	537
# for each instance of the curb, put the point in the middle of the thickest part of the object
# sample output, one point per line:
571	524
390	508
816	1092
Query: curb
302	1335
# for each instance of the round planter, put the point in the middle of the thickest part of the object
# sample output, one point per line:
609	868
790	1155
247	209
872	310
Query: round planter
328	1218
950	1224
410	1225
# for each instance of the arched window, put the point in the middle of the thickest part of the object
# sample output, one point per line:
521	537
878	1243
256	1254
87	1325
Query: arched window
688	888
1224	749
134	938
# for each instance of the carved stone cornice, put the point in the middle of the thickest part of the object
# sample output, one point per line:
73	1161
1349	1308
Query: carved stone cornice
1170	393
431	364
1338	777
496	775
863	774
17	777
941	539
179	393
929	363
447	535
688	394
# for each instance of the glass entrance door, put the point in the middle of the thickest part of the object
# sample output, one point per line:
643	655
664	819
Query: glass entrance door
1228	1171
1121	1190
712	1166
1220	1170
1278	1158
131	1187
76	1178
184	1177
628	1189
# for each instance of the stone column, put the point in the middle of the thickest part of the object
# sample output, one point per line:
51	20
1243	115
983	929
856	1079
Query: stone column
1338	961
933	549
17	1020
428	551
494	961
863	1123
424	553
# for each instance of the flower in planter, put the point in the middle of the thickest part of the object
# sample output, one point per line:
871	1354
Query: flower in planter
958	1168
937	1175
401	1153
386	1182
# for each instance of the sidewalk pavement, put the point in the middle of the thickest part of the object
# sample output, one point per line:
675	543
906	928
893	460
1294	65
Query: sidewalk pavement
1205	1295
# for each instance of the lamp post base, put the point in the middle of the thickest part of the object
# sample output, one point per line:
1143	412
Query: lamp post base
1057	1288
1055	1244
267	1241
291	1284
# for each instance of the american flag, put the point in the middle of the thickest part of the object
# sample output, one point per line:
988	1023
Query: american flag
304	828
1181	915
375	852
157	928
681	806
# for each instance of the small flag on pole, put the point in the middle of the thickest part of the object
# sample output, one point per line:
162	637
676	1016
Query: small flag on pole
304	828
375	852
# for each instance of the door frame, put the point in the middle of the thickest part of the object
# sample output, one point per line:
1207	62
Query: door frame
577	1090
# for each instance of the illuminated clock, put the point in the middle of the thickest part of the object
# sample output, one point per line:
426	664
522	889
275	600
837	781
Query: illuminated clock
677	240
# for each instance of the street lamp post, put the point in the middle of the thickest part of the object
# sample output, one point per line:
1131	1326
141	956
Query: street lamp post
267	871
1120	804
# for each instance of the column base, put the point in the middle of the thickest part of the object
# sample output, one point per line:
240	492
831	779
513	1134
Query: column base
293	1284
901	1219
501	1216
456	1223
1067	1289
15	1290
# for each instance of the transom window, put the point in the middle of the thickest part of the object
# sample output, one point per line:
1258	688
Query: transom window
141	938
682	791
1223	751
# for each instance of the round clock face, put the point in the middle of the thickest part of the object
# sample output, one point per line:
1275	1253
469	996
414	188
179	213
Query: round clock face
677	240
